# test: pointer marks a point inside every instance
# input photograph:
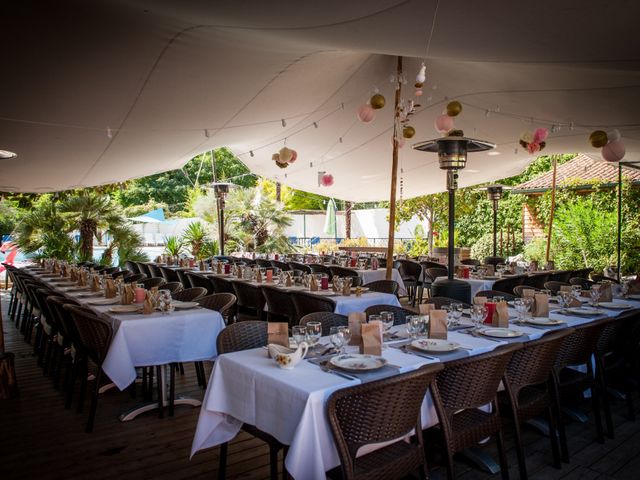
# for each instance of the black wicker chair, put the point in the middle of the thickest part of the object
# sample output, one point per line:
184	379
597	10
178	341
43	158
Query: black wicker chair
494	261
412	277
221	284
224	303
319	268
199	280
279	305
300	266
173	287
189	294
263	263
250	300
472	262
154	270
281	265
169	274
305	303
153	282
384	286
439	302
554	286
521	288
495	293
399	314
134	277
582	282
508	283
536	280
327	319
346	272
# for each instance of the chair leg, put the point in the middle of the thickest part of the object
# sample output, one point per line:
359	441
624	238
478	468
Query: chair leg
159	388
522	465
222	466
504	466
94	402
172	387
602	382
84	372
450	468
562	433
70	382
553	436
273	462
631	409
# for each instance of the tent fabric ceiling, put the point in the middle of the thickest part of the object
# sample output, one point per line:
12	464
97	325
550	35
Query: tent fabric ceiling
104	91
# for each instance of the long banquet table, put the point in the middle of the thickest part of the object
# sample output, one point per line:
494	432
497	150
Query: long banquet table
247	387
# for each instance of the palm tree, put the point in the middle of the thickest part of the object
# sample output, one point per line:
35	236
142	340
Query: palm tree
90	212
127	242
195	235
173	245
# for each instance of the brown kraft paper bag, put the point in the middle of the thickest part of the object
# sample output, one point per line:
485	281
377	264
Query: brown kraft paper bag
501	315
356	320
438	324
148	306
541	305
479	300
606	295
278	333
371	343
313	284
574	302
425	308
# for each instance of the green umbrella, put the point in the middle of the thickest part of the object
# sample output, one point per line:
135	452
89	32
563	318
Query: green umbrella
330	218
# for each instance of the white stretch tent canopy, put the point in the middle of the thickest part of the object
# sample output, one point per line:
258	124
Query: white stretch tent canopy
102	91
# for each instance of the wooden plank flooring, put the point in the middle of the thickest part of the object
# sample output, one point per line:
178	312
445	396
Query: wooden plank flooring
40	439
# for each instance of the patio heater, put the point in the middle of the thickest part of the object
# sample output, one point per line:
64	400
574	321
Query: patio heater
452	155
494	194
221	189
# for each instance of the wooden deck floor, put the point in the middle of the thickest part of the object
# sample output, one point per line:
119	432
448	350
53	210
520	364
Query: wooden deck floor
40	439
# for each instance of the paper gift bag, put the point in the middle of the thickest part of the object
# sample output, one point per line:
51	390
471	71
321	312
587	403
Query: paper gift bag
371	343
634	285
501	315
258	276
278	333
334	284
565	288
606	293
148	306
528	293
110	290
479	300
489	270
573	301
201	266
95	284
438	324
288	280
425	308
219	268
346	286
313	284
82	279
541	305
356	320
128	295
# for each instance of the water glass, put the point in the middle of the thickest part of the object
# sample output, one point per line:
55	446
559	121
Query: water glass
299	334
576	290
528	304
387	320
314	332
521	309
337	338
563	299
595	295
346	333
417	324
478	313
457	310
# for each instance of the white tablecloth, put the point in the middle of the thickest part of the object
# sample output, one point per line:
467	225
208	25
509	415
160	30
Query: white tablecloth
346	305
369	276
476	284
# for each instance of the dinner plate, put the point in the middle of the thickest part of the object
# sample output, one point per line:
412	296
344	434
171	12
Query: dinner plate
184	305
104	301
614	305
126	309
325	293
634	296
357	362
584	310
75	289
362	289
501	332
544	321
435	345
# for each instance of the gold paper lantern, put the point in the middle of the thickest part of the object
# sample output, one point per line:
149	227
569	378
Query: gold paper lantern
377	101
454	108
408	131
598	139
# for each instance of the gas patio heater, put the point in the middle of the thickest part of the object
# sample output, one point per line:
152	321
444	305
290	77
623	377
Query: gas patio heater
221	189
494	194
452	155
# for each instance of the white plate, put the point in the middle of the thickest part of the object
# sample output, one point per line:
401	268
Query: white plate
356	362
126	309
615	306
544	321
184	305
585	311
501	332
325	293
104	301
435	345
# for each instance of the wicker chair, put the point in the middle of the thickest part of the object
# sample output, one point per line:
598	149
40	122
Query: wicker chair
384	286
169	274
182	277
143	268
263	263
153	282
305	303
134	277
279	305
554	286
399	314
526	382
411	274
131	266
173	287
494	261
244	336
121	273
221	284
319	268
577	350
582	273
536	280
459	391
281	265
582	282
95	335
521	288
66	337
495	293
440	302
560	276
250	300
300	266
360	416
507	284
189	294
199	280
600	278
472	262
224	303
431	273
327	319
154	270
346	272
44	344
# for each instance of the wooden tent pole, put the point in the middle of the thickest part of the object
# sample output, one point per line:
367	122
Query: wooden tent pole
553	208
394	174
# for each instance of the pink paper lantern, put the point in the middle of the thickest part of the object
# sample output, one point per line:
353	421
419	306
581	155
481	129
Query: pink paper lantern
294	156
327	180
614	151
366	113
540	135
418	92
443	123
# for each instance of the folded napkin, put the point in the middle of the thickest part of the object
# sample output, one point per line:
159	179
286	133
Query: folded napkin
346	286
219	268
541	305
371	343
128	294
313	284
501	315
258	275
289	280
110	290
73	275
148	306
606	293
95	283
438	324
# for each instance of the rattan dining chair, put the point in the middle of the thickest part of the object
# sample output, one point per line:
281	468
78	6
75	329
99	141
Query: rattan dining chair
154	269
507	284
494	260
472	262
67	338
327	319
459	391
343	272
319	268
250	300
199	280
560	276
153	282
244	336
582	282
169	274
263	263
224	303
440	302
384	286
189	294
279	304
527	383
412	277
554	286
133	277
305	303
300	266
173	287
399	314
360	416
519	290
280	265
221	285
536	280
495	293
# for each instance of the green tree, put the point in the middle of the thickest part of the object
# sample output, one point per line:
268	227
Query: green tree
196	235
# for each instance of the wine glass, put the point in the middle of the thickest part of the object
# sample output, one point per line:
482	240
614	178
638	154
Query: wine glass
528	304
299	333
337	338
457	309
563	299
387	320
576	290
417	325
478	314
594	294
314	332
410	326
346	333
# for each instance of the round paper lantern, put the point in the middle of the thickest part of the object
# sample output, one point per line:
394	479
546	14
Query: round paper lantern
421	77
366	114
408	131
613	135
377	101
327	180
443	123
598	139
275	157
294	156
418	93
454	108
285	154
614	151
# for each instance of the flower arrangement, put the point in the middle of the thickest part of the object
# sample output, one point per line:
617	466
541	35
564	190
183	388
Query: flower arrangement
534	141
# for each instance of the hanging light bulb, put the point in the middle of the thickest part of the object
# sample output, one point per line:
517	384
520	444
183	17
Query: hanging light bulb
421	77
284	123
251	153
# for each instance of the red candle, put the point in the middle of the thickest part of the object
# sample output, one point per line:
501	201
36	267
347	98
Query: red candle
269	276
227	268
353	262
491	308
324	283
465	272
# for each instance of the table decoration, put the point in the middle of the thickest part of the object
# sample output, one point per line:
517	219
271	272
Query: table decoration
371	338
286	357
438	324
278	333
356	320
